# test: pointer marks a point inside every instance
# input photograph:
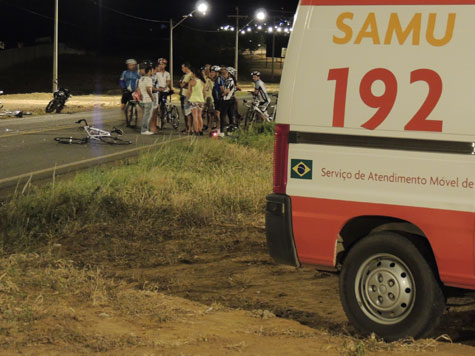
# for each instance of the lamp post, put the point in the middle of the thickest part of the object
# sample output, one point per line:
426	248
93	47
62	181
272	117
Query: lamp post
260	15
55	47
201	7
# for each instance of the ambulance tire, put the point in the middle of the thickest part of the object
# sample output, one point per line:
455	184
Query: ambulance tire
388	286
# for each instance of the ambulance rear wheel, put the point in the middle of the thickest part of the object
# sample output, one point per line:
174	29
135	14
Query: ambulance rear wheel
388	287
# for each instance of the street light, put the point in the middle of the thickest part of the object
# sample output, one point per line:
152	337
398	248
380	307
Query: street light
55	47
201	7
260	16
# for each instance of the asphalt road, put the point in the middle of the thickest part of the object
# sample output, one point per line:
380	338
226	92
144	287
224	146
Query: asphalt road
28	151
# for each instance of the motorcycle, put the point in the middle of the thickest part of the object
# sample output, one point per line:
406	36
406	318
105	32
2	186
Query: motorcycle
60	97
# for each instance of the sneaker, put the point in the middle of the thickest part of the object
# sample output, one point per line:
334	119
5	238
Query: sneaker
148	133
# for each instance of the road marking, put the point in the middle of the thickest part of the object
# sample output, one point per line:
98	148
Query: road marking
88	160
56	128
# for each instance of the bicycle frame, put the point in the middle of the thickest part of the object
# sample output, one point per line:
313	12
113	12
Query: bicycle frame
255	107
93	133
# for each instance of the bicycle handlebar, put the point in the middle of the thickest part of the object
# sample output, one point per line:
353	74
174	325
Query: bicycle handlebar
82	120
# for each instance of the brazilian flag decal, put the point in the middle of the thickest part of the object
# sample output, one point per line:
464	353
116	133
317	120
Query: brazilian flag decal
301	169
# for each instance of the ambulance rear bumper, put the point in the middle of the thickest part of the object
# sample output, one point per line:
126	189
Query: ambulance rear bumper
279	231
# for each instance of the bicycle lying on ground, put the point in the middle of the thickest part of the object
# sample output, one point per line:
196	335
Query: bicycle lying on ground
95	135
169	112
60	97
16	113
255	113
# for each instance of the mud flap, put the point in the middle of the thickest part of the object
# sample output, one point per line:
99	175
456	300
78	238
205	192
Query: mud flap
279	231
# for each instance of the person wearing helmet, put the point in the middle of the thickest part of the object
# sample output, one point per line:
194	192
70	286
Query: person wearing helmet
164	84
128	81
260	92
235	105
218	83
227	95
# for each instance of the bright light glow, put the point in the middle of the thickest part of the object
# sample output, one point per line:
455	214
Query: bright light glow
259	27
279	29
202	7
261	15
271	29
249	29
243	32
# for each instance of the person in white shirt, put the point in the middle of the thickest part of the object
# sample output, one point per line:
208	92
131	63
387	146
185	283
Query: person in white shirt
164	84
260	92
146	101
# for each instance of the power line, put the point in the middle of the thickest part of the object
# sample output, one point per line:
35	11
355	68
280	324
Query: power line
38	14
127	15
198	29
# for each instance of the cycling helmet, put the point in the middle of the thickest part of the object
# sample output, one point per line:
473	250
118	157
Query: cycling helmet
232	71
216	69
131	61
256	73
162	61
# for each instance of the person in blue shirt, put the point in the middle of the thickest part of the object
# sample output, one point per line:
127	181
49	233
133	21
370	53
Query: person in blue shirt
128	81
218	84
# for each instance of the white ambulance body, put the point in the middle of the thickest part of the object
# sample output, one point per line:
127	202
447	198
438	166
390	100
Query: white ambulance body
374	160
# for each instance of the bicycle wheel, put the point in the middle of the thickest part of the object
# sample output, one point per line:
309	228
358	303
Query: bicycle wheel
175	118
162	112
51	106
250	117
111	140
59	108
72	140
131	115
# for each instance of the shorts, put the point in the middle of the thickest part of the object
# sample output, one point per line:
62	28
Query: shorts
218	105
155	101
126	97
196	105
209	105
187	108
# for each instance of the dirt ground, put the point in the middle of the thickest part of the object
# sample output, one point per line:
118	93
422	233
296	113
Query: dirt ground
198	292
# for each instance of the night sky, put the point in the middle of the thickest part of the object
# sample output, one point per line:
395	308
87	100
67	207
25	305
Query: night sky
90	24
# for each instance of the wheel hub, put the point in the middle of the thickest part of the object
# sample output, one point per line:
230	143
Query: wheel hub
385	289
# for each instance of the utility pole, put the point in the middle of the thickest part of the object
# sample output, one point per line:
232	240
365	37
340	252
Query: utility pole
55	48
236	49
273	48
171	51
273	53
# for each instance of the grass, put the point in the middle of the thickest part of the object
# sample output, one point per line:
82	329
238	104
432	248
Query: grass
201	183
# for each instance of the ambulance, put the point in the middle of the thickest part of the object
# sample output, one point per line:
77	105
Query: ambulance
374	162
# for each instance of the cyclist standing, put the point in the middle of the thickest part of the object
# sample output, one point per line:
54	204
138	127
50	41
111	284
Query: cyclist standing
164	84
128	81
260	92
218	84
145	85
227	94
186	106
208	111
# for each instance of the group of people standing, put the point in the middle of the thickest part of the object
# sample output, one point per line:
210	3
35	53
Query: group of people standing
208	98
207	95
